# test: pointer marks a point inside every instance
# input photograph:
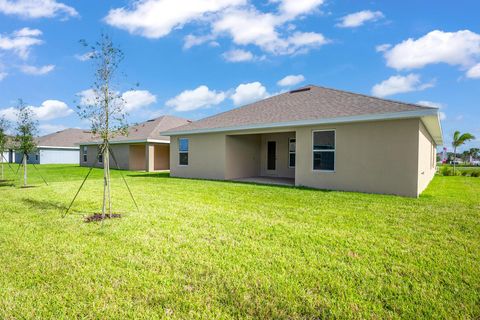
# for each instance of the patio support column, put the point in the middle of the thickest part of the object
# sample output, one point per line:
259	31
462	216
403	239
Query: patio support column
149	157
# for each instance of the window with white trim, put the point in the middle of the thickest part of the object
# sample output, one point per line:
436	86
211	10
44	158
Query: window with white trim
291	152
183	151
85	158
100	158
324	150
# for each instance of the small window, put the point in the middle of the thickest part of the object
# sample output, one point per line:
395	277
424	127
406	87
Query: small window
324	150
100	158
183	151
291	152
36	157
85	158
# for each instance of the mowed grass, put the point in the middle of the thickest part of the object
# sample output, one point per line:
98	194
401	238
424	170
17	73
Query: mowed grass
220	250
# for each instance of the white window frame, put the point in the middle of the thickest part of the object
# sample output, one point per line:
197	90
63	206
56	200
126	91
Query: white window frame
326	150
100	158
85	153
292	152
187	152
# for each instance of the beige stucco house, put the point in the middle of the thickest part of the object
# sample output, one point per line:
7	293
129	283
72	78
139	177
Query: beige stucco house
314	137
144	148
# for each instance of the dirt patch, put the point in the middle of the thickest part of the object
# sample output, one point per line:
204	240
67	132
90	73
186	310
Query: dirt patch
98	217
27	187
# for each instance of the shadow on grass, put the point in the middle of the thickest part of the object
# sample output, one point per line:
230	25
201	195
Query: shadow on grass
150	175
7	183
45	204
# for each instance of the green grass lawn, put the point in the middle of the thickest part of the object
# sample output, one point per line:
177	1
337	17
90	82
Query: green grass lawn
220	250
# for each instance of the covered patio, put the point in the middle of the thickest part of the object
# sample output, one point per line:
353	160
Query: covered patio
267	158
269	180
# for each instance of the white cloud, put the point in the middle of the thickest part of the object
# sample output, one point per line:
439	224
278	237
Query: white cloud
192	40
157	18
249	92
50	128
293	8
27	32
474	72
247	27
238	55
357	19
20	41
51	109
291	80
36	8
437	105
37	71
200	97
84	57
461	48
3	75
383	47
237	19
132	99
48	110
136	99
400	84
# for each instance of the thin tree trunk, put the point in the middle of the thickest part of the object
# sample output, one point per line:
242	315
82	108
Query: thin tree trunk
454	159
109	199
24	170
3	177
105	182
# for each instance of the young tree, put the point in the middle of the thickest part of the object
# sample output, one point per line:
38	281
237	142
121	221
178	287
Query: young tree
103	106
458	140
474	152
4	125
26	132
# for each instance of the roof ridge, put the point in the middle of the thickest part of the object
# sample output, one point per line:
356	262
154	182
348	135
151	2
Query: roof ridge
372	97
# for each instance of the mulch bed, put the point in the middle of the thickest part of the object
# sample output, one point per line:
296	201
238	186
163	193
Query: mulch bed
98	217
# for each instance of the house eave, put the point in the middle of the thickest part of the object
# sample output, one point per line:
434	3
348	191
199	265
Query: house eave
425	113
56	147
94	143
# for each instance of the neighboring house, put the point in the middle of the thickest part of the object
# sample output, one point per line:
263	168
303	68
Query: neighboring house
315	137
142	149
9	153
57	148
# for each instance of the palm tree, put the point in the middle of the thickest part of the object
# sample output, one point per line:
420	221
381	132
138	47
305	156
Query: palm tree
458	140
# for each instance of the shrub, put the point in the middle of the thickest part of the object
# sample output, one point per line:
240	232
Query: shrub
446	171
475	174
464	173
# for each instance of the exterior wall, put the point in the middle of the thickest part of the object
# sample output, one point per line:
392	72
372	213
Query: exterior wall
137	157
427	158
242	156
58	156
282	169
206	157
4	157
162	157
150	157
373	157
33	158
131	156
121	152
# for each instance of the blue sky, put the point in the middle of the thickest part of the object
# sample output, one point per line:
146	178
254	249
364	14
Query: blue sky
196	58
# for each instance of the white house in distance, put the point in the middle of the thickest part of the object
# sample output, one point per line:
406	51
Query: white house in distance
58	148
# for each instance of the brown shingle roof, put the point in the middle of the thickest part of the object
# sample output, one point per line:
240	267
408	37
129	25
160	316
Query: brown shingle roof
65	138
150	129
307	103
